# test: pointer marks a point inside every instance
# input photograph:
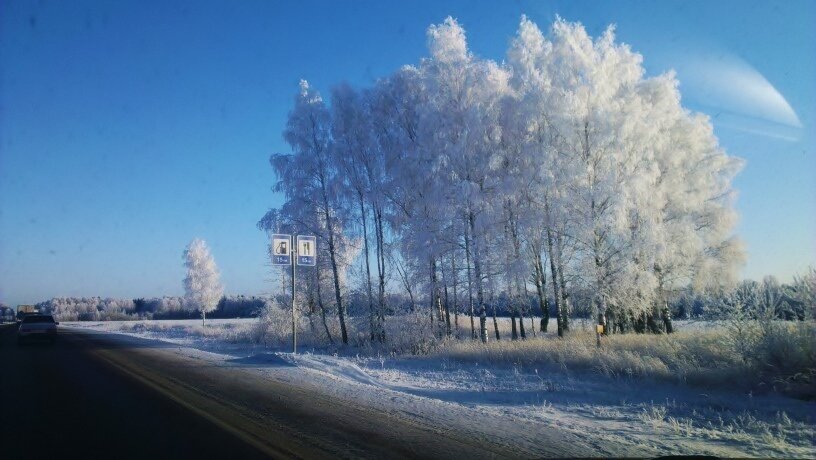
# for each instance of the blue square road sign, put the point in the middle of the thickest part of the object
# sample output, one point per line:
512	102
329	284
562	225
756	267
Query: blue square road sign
306	250
281	249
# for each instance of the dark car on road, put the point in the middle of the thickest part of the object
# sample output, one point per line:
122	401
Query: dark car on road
37	327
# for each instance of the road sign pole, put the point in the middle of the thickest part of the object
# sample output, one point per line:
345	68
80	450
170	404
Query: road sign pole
294	317
283	253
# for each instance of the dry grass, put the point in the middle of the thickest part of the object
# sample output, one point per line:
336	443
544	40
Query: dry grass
782	357
774	436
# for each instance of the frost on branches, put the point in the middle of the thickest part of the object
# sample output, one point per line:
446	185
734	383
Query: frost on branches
202	286
561	178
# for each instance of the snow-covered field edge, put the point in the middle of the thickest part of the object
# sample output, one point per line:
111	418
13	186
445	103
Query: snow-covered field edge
651	417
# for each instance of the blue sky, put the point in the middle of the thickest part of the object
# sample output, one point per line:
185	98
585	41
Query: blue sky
127	127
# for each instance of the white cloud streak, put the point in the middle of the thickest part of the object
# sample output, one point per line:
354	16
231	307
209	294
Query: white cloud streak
730	84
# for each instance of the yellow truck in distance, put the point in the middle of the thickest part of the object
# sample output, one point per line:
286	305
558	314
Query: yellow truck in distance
23	310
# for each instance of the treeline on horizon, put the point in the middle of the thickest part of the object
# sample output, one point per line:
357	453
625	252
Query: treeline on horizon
759	299
167	307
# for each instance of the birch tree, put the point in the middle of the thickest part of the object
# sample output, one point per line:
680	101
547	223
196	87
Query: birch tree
566	169
309	179
202	285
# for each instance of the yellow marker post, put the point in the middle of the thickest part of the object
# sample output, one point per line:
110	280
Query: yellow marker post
598	331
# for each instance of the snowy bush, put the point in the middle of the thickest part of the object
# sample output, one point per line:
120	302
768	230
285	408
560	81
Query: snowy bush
274	328
407	333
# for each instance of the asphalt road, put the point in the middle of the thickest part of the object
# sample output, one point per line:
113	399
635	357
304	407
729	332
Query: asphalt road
61	402
94	396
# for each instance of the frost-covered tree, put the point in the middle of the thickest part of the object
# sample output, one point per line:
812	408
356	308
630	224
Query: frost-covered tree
202	285
565	171
309	179
548	173
461	136
356	153
6	312
803	292
634	181
691	201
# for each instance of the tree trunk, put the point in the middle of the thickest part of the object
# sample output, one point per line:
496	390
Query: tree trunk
341	314
623	324
469	282
511	299
518	298
371	314
667	320
436	302
496	322
541	290
455	293
565	304
447	304
663	298
640	323
526	308
407	283
651	321
411	299
322	307
611	321
555	285
312	311
380	240
477	269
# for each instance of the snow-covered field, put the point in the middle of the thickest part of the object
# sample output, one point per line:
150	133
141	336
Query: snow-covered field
647	417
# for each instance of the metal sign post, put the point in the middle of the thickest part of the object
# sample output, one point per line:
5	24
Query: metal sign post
283	253
306	254
294	318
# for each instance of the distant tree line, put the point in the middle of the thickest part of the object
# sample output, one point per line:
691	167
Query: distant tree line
111	309
6	313
766	299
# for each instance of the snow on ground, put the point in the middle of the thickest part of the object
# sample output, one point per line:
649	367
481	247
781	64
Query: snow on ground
646	418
